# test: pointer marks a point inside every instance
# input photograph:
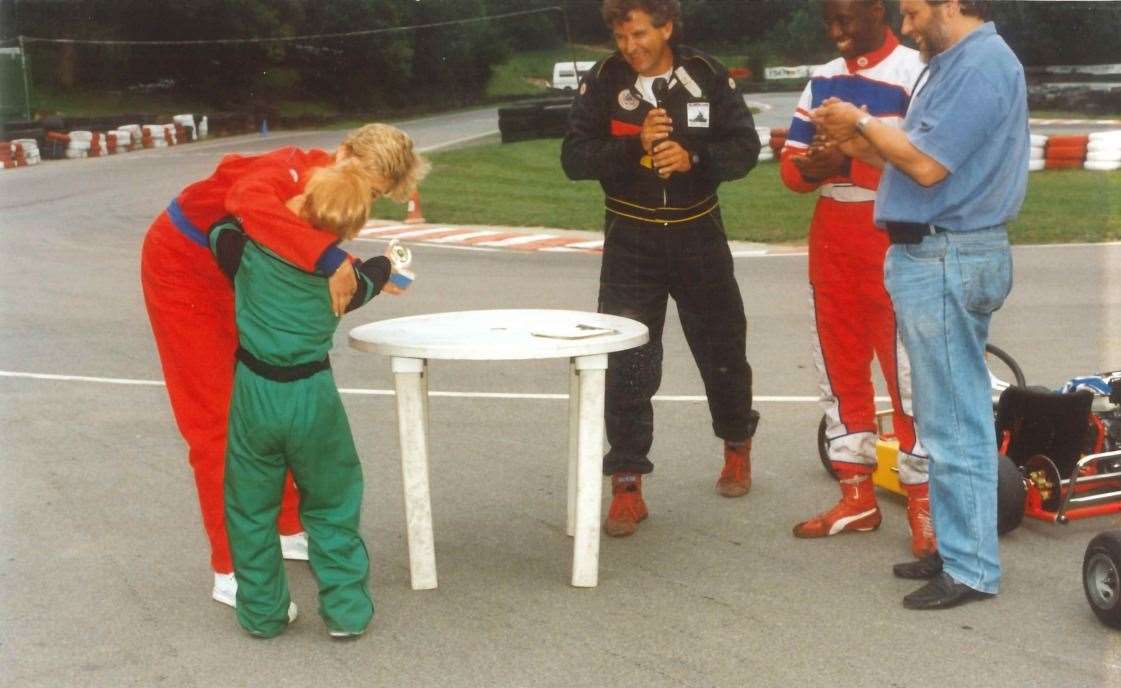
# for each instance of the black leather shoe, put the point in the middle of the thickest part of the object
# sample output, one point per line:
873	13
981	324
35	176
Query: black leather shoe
920	569
942	592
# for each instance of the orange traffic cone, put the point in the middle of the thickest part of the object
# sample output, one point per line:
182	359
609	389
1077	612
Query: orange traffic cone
414	214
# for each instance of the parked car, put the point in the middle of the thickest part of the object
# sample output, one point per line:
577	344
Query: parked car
565	78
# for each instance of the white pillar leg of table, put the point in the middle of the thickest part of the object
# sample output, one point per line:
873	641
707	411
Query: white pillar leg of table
412	427
589	472
424	396
573	442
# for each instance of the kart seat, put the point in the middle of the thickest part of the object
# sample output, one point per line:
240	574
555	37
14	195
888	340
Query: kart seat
1044	422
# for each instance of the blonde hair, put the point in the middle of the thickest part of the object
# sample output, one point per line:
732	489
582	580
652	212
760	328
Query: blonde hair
337	199
386	155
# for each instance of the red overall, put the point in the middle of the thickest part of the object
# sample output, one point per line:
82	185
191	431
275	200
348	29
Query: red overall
190	305
853	318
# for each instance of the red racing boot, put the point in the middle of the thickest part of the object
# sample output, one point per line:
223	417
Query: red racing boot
856	512
735	479
627	506
923	541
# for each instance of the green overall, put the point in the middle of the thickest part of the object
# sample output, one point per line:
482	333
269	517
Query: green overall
286	413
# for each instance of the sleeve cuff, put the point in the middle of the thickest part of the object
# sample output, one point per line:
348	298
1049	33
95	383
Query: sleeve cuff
376	270
927	147
330	261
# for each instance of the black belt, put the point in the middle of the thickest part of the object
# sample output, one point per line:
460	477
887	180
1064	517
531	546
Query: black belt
281	373
911	232
664	215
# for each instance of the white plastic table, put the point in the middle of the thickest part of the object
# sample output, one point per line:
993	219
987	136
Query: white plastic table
503	335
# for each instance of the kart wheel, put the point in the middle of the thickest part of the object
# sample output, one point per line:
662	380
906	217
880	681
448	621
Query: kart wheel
1010	496
1101	577
1004	371
823	449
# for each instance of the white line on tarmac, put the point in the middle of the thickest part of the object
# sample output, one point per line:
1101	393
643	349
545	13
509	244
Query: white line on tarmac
420	232
390	392
367	231
80	378
515	241
429	244
1097	244
464	236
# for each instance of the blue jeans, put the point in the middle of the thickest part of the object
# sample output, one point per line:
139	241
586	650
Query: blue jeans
945	290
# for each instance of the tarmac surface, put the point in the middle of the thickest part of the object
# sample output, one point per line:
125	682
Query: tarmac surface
104	576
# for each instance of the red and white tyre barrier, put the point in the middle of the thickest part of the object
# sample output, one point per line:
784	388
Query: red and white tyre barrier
1066	152
188	127
1036	159
765	152
154	136
777	141
30	148
1103	151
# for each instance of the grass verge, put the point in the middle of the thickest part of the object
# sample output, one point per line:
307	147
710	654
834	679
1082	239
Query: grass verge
522	185
530	72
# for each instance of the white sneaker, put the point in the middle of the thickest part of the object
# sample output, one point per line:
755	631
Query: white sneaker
344	634
294	546
225	589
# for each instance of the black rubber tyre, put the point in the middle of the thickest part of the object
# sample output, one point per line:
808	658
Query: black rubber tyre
823	449
1010	496
1101	577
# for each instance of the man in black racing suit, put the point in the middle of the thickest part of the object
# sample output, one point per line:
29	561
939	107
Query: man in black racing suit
660	126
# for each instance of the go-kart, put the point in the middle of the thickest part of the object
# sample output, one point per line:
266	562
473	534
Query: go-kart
1066	445
1075	432
1004	373
1101	577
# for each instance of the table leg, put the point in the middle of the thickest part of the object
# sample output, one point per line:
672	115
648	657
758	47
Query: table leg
424	395
589	472
573	442
412	428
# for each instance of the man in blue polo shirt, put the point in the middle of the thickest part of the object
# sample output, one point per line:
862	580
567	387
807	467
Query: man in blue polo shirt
954	176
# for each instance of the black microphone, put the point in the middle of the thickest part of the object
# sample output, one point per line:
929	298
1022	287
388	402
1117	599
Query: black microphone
661	90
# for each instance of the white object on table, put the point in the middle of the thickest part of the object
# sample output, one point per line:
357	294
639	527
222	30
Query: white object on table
497	335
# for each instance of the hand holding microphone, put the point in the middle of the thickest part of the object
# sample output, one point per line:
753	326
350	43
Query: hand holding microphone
657	125
668	155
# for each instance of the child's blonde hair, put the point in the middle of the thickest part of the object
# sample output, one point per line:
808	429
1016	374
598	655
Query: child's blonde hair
337	199
386	154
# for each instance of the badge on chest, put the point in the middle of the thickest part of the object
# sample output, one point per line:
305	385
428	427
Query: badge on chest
698	115
628	100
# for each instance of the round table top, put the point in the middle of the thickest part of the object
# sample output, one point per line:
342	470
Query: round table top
500	335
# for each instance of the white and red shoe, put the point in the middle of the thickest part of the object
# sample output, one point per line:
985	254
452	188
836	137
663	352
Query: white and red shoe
857	512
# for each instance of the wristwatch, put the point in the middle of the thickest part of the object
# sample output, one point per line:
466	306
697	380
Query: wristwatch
863	122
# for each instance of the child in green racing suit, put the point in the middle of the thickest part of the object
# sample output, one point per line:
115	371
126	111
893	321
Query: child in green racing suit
286	413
